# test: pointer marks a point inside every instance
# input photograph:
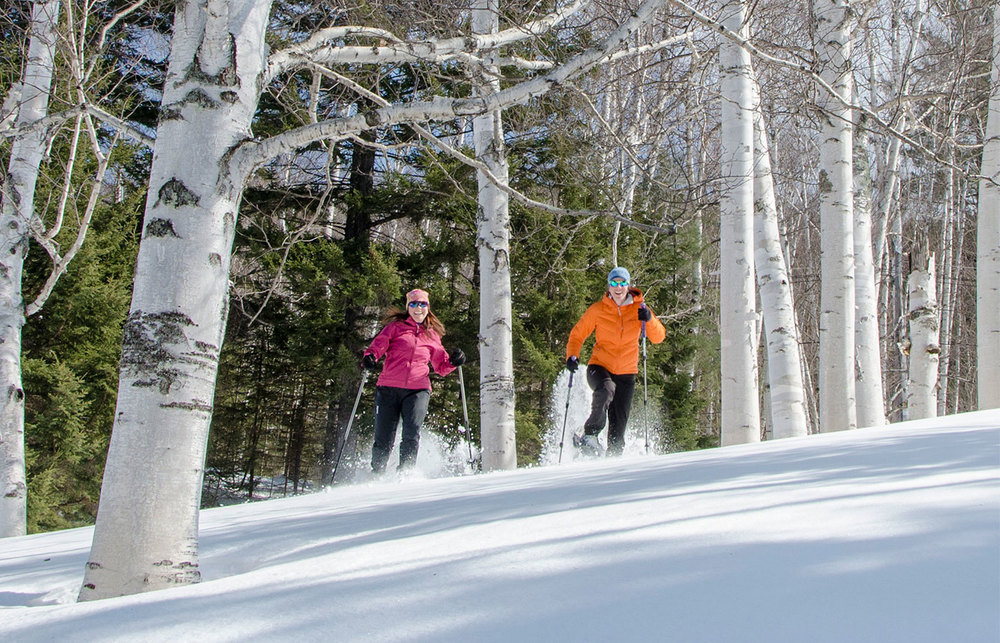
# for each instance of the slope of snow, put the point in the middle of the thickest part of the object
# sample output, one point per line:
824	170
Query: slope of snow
871	535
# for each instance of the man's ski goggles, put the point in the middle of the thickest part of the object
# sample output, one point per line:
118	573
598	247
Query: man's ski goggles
616	283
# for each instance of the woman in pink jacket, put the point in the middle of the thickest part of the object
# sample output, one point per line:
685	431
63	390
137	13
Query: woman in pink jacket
411	344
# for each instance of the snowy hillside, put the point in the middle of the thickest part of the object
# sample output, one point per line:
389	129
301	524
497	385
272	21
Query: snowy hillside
872	535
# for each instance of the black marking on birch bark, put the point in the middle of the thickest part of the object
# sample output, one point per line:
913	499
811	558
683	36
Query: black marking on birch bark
500	259
470	107
184	573
93	566
188	406
929	312
229	96
170	113
825	186
18	491
176	194
227	76
19	246
214	259
204	354
224	311
13	193
146	348
160	228
206	348
372	118
188	577
200	97
15	393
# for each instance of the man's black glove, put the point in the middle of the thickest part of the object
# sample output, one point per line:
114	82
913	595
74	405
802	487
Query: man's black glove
572	364
644	314
456	357
368	361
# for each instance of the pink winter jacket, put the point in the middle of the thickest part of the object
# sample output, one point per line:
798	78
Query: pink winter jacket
409	349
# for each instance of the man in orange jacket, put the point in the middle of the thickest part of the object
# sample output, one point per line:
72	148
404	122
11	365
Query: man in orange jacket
617	321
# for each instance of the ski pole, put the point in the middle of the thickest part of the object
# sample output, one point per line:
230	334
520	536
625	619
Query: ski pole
350	421
465	416
645	387
565	415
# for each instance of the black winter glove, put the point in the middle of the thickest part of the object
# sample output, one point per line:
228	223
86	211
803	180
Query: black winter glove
644	314
456	357
572	364
368	362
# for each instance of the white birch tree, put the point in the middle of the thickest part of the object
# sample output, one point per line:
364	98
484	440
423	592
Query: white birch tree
925	351
988	243
147	523
493	240
837	410
868	354
784	360
737	306
17	201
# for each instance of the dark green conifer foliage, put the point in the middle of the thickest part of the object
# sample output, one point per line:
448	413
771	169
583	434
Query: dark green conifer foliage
70	368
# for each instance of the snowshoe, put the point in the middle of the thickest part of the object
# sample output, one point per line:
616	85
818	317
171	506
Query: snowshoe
588	445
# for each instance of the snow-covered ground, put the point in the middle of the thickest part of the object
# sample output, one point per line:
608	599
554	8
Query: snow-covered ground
872	535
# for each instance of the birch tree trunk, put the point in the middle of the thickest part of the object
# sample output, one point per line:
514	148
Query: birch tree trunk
960	332
496	354
921	389
784	361
889	182
988	244
836	327
17	210
737	306
896	312
868	371
147	522
946	274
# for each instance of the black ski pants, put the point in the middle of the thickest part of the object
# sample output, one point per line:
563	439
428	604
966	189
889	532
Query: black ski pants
391	405
612	401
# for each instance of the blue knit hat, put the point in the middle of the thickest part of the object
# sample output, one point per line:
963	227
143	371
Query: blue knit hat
619	273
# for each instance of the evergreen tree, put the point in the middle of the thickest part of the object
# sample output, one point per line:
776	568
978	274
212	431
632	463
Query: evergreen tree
70	358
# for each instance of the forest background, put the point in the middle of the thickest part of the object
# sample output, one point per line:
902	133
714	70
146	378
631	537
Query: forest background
331	235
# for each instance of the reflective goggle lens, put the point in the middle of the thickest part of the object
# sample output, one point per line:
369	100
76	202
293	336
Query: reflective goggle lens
617	283
417	304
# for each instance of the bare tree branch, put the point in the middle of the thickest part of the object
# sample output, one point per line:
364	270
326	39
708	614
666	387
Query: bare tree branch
321	47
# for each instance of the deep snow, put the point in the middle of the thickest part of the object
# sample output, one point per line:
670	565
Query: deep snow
871	535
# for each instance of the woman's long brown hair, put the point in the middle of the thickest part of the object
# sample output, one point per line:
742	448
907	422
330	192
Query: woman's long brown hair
431	321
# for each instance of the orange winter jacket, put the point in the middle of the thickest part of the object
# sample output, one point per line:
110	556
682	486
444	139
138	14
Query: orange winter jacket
616	328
